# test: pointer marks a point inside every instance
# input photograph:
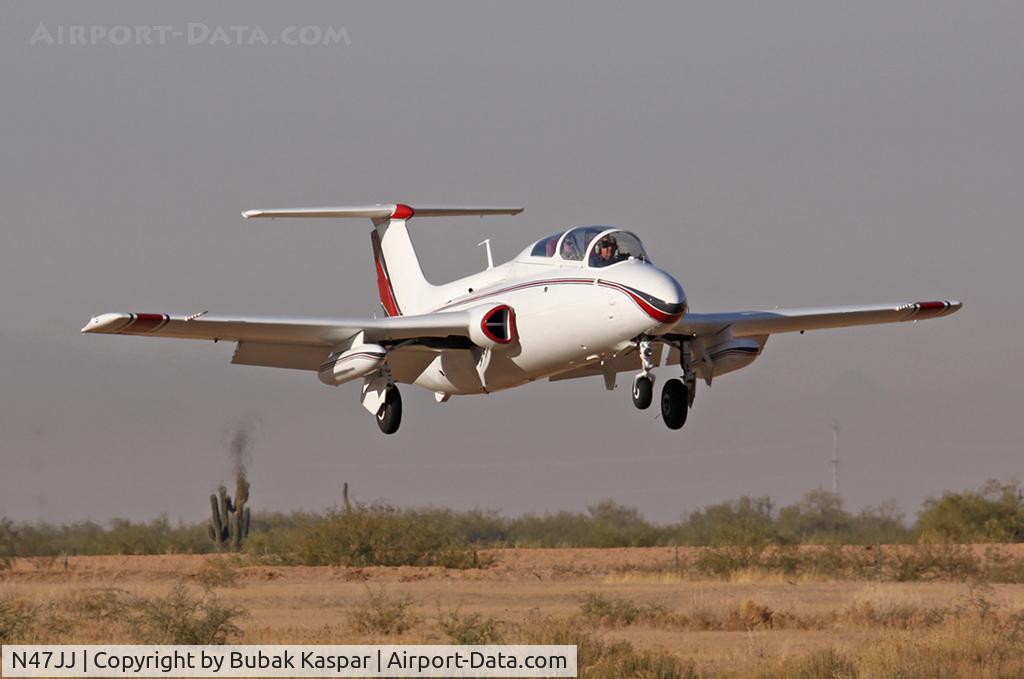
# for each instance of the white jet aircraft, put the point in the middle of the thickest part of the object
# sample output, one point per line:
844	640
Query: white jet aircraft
583	302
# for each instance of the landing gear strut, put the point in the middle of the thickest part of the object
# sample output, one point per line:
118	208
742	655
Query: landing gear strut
389	415
643	384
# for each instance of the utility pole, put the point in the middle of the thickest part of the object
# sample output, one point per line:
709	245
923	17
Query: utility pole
835	457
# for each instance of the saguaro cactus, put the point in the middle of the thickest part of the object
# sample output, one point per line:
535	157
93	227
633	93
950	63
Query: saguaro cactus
229	522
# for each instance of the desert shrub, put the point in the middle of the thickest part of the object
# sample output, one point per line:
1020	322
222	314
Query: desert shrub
606	524
818	517
217	573
643	665
934	562
745	522
751	615
597	659
381	535
120	536
954	651
563	529
746	616
992	513
17	617
833	561
615	525
882	524
469	630
380	613
476	526
181	617
722	562
29	622
901	616
8	543
616	612
910	563
823	664
1000	567
98	604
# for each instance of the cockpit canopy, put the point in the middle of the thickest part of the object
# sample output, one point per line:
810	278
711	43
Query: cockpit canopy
600	245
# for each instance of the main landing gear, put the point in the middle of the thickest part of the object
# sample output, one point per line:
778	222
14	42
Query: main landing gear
676	395
675	401
389	415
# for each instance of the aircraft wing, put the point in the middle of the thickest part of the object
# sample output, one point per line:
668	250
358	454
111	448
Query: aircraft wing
760	323
297	343
725	342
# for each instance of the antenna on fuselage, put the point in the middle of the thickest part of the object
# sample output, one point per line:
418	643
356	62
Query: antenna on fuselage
487	246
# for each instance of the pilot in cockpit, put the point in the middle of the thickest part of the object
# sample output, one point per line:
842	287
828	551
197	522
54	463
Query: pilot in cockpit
569	250
607	251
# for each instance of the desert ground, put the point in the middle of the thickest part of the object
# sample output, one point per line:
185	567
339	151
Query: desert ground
745	626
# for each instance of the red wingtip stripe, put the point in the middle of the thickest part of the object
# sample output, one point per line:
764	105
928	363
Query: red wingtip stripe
925	306
402	212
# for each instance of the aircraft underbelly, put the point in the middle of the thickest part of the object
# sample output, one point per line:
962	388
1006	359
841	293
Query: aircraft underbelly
559	328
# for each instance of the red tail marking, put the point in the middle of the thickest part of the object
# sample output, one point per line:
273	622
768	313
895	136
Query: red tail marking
384	289
402	212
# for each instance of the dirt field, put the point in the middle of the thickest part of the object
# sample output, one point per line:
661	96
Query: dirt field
745	626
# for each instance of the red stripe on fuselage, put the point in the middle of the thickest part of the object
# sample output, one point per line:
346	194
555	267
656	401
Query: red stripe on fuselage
645	306
642	304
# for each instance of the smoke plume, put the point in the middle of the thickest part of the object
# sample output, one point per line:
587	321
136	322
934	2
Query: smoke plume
240	450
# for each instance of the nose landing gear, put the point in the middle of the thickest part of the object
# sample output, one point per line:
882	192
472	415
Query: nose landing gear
643	384
643	391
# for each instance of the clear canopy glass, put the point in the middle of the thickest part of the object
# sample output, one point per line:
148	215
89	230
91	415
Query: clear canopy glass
615	247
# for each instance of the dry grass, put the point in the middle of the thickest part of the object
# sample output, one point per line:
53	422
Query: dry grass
630	622
382	614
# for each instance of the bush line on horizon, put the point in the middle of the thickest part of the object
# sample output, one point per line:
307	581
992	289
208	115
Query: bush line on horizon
380	534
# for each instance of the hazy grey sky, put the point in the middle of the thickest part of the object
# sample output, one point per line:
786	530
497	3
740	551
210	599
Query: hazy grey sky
787	153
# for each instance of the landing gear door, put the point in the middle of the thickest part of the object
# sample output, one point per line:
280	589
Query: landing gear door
374	388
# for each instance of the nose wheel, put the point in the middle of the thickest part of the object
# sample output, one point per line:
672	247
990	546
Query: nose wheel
675	402
389	415
643	391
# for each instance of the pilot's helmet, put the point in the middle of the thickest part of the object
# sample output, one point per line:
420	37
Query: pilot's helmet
607	242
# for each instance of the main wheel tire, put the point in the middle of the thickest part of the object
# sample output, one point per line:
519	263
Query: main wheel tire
643	392
674	401
389	415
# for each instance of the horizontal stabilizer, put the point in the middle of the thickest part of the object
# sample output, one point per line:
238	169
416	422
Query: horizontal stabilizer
387	211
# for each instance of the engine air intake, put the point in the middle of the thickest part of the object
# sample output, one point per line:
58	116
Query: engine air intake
499	324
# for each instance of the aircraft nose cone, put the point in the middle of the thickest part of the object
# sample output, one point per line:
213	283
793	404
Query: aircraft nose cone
655	292
669	290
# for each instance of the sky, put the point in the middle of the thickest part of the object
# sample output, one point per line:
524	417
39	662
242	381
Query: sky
768	154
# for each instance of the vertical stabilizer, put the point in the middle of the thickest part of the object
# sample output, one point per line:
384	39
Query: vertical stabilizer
400	281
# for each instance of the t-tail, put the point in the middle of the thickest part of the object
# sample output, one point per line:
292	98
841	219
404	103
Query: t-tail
400	281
